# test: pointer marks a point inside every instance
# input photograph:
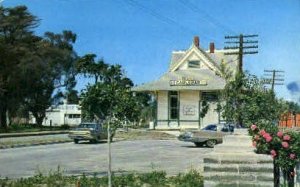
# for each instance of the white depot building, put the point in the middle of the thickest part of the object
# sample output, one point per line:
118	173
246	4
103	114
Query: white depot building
64	114
192	77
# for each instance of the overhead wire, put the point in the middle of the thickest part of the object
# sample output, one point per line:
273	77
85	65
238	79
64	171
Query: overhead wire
163	18
209	18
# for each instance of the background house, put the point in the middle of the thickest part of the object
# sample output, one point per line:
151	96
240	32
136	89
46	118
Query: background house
64	114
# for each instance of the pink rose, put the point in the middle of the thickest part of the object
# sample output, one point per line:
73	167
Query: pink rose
286	138
253	127
254	143
268	139
262	132
266	135
280	134
292	156
285	144
256	137
273	153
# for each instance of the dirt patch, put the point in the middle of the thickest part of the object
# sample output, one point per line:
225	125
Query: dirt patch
143	135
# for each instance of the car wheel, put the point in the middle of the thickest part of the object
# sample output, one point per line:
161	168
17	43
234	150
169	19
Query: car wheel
211	143
198	144
93	141
76	141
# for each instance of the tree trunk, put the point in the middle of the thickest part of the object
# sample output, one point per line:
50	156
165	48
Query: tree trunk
39	119
3	122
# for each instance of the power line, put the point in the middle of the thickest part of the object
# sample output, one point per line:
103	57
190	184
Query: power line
209	18
159	16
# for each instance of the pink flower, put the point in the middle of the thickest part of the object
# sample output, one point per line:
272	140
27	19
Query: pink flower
292	156
256	137
267	137
262	132
285	145
254	143
273	153
286	138
253	127
280	134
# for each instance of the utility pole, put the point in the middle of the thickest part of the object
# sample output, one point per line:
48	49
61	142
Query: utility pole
273	77
109	152
238	45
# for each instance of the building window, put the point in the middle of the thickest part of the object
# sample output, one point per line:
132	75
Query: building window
73	116
173	105
210	96
194	64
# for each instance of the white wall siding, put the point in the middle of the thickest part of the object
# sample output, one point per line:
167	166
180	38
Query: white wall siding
189	105
162	105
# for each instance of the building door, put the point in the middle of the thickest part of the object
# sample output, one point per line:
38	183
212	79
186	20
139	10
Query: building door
173	109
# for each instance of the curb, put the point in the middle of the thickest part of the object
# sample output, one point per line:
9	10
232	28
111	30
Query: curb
34	144
9	135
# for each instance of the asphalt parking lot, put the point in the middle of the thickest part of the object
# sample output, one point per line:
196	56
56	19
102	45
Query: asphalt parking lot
171	156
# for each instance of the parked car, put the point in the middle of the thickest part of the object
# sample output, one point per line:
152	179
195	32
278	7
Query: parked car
93	132
209	135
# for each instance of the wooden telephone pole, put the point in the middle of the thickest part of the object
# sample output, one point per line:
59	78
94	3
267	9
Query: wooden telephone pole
238	45
273	77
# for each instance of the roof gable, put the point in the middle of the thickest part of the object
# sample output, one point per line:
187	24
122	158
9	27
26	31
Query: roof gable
196	53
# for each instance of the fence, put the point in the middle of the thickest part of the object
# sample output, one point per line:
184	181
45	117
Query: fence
290	120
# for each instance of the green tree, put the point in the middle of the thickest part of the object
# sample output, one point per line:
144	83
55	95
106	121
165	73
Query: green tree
246	100
110	95
31	67
54	68
16	42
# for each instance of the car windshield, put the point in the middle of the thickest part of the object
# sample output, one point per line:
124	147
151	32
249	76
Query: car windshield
210	128
87	125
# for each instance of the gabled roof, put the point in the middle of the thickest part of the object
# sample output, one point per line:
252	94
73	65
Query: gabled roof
208	75
178	58
213	82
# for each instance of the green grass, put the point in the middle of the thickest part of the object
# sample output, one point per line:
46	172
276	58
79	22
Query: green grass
152	179
16	128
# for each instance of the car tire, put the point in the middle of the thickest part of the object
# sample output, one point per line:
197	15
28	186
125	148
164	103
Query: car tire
211	143
198	144
76	141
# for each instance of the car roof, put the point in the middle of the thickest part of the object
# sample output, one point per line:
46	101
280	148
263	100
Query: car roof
89	124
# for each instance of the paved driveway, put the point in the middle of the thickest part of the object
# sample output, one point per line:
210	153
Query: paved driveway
141	156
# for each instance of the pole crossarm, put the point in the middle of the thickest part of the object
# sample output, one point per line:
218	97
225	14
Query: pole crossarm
250	52
273	77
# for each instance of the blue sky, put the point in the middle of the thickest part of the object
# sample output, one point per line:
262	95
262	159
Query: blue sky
140	34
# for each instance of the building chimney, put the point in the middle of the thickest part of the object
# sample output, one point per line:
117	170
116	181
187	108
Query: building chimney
212	47
196	41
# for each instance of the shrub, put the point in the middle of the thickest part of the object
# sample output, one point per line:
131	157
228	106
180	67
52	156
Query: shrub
284	147
65	127
152	179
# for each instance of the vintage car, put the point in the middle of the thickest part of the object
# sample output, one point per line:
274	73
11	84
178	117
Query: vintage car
208	136
93	132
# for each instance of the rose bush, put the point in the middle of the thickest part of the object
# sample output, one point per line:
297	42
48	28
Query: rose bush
284	147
